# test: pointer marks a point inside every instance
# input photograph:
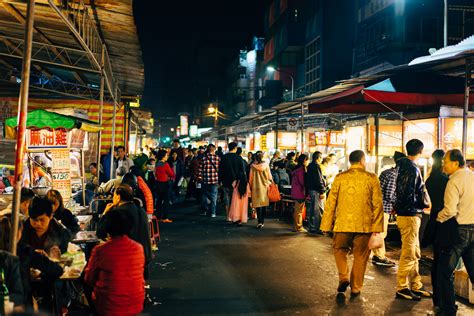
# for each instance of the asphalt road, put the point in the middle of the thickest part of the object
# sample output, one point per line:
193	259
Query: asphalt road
207	267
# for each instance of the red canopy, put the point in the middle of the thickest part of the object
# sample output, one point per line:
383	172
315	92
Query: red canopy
360	100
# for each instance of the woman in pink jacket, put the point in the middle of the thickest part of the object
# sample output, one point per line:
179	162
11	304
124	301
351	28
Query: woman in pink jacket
298	191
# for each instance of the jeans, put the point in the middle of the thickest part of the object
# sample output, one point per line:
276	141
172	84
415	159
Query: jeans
209	191
314	211
448	260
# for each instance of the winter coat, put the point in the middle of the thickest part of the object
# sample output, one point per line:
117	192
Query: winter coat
115	271
68	219
409	192
139	223
314	180
281	177
259	180
230	167
147	195
10	267
435	185
50	271
354	204
57	235
297	183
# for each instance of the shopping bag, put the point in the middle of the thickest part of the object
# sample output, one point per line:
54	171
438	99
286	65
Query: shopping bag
375	241
273	193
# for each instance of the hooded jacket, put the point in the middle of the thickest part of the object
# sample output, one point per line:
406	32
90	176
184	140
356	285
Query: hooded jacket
409	190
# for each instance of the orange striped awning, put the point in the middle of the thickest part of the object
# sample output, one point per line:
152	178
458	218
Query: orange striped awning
9	108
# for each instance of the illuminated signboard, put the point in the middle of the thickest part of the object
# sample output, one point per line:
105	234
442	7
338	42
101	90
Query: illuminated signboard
451	135
47	138
425	130
193	131
183	120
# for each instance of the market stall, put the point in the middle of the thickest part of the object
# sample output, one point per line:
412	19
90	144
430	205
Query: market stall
55	152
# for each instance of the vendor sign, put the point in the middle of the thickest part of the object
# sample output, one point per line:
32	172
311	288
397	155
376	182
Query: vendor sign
451	135
61	171
337	138
46	138
390	139
425	130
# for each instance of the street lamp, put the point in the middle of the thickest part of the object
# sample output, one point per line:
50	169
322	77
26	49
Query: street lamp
214	112
273	69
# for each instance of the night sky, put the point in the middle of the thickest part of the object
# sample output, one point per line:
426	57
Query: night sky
187	45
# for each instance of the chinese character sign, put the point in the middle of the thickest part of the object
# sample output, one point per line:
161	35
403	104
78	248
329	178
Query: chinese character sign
61	172
47	138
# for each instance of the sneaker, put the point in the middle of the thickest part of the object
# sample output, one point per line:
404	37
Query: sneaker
382	262
343	286
167	221
406	294
203	214
213	215
259	226
301	230
422	293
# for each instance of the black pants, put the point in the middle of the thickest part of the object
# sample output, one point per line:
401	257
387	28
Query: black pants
162	200
261	214
434	275
448	260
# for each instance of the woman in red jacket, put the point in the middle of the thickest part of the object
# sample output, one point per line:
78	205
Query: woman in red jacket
115	271
164	174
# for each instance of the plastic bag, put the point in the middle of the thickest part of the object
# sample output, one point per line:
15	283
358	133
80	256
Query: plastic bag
375	241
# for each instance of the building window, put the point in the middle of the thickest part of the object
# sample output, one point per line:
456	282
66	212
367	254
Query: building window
313	66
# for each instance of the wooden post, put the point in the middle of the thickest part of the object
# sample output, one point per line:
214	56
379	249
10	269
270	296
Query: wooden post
377	128
467	87
276	130
22	115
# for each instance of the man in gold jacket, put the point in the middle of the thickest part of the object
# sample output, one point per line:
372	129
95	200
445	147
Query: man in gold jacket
353	212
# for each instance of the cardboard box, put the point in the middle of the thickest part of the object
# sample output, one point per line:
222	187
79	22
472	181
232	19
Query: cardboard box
463	286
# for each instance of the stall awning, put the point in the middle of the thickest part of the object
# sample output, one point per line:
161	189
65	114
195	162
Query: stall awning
397	94
47	119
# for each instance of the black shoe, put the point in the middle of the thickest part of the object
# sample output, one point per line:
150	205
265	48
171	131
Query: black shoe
406	294
382	262
343	286
259	225
422	293
355	295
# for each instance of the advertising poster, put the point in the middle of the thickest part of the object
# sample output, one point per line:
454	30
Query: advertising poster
61	171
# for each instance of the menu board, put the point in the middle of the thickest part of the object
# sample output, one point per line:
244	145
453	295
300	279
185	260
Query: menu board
321	138
61	171
425	130
451	135
356	138
287	140
337	138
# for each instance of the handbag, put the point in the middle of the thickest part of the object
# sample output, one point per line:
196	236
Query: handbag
375	241
273	193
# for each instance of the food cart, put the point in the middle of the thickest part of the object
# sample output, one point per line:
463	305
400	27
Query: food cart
55	151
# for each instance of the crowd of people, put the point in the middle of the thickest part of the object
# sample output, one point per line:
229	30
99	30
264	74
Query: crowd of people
353	206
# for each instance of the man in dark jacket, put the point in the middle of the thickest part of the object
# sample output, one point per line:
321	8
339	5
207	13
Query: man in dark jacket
231	166
315	186
409	205
123	201
42	231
